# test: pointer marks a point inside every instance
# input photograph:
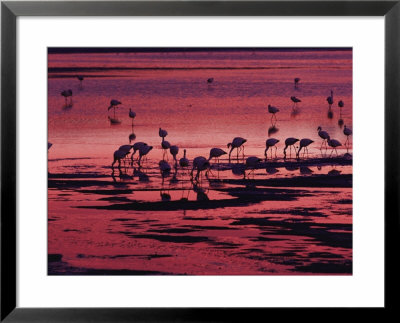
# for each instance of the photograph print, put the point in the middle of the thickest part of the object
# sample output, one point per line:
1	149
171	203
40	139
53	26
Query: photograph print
200	161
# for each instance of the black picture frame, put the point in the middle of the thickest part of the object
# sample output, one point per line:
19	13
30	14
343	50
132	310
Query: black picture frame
10	10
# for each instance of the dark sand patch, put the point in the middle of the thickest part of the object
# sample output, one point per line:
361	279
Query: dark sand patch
171	238
321	234
339	181
327	268
177	230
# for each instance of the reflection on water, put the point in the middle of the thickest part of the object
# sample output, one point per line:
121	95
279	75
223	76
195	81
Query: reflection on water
148	215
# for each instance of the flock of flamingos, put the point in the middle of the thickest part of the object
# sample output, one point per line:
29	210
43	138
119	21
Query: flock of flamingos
201	163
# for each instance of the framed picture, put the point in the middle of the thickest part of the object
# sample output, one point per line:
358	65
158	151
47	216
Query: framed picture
199	158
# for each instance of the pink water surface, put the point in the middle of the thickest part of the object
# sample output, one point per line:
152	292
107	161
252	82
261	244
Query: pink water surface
295	220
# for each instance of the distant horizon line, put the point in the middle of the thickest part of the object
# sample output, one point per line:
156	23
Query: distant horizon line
85	50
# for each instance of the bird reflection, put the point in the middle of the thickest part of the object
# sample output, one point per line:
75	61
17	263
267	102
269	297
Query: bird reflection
304	170
271	170
201	193
239	170
295	112
132	137
272	130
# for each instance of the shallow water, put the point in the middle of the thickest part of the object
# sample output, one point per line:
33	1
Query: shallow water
285	217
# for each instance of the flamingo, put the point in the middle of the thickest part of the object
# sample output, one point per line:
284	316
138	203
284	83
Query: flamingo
80	78
165	145
295	101
132	115
324	135
237	142
347	132
334	143
216	153
49	144
289	142
184	162
162	133
304	143
271	142
174	151
272	110
296	82
136	146
200	164
143	151
210	80
330	99
67	94
118	155
114	104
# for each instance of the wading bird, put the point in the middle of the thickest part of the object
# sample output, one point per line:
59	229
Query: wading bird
49	144
271	142
324	135
216	153
136	146
304	143
118	156
80	78
165	145
237	143
143	151
184	162
113	104
210	80
200	164
272	110
289	142
347	132
162	133
334	143
67	94
132	115
295	101
174	150
296	82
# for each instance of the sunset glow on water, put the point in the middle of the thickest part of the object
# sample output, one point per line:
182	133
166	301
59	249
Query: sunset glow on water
281	217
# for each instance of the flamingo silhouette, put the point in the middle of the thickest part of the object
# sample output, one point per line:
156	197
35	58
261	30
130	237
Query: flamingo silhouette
334	143
324	135
184	162
289	142
272	110
114	104
216	153
271	142
304	143
237	143
174	150
200	164
295	101
347	132
165	145
143	151
132	115
296	82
